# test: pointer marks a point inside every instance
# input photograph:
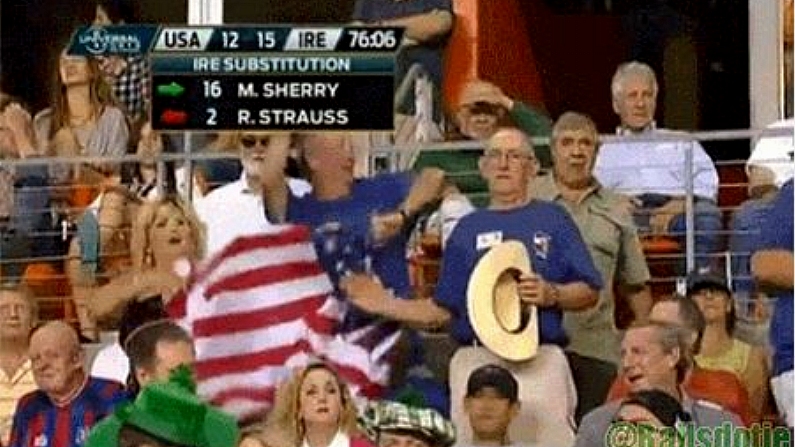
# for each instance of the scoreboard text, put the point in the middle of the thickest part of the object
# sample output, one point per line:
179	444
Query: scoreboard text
216	78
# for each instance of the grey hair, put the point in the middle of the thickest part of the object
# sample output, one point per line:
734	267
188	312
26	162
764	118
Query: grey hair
672	339
574	121
629	69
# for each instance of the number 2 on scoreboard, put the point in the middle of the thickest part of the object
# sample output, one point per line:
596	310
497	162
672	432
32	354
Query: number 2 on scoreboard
212	114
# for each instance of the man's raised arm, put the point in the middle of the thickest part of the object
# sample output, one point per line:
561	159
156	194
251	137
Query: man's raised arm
275	192
426	189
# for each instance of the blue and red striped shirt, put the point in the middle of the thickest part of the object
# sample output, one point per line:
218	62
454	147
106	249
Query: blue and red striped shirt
39	422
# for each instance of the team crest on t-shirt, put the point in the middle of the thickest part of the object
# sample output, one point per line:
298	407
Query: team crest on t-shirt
40	441
541	244
487	240
81	436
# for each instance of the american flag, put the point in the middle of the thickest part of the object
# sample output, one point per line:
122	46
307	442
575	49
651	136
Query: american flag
261	308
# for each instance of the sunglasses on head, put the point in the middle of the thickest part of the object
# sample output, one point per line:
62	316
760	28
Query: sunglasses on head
251	141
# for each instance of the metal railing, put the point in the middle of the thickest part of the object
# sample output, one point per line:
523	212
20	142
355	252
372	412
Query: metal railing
191	156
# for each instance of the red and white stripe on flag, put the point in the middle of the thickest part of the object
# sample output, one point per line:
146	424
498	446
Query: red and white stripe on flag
261	308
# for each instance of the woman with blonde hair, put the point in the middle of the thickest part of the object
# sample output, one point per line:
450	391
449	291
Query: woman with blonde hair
165	240
314	408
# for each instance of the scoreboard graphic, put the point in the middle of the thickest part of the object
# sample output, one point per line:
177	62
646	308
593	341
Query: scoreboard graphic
272	77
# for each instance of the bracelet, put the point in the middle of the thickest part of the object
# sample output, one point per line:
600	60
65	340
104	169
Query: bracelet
554	294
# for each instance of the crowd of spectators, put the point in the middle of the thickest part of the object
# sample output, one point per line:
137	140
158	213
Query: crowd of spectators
131	239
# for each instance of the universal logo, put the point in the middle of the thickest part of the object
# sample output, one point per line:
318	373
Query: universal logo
98	41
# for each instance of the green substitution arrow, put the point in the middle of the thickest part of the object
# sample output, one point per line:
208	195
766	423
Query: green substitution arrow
172	89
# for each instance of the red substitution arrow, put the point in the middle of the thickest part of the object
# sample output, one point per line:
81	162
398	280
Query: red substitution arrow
173	117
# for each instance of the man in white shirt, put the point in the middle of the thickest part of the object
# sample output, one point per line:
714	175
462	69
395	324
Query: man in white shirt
769	166
654	173
237	209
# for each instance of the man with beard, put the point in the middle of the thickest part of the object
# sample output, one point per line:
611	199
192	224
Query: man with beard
236	209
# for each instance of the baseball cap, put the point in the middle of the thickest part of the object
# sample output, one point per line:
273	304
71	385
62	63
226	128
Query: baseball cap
493	376
701	280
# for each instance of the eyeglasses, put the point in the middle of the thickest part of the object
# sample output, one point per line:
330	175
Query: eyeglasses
250	141
513	156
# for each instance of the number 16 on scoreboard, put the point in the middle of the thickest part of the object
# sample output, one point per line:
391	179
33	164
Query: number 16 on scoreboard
212	88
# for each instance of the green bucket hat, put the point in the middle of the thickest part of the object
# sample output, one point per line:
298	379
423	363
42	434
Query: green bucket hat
170	411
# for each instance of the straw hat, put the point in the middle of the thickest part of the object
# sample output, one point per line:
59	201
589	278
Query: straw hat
495	310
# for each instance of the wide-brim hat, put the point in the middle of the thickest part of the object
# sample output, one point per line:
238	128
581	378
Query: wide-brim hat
495	310
170	411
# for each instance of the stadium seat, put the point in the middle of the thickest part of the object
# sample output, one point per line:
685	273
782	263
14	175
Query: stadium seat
52	290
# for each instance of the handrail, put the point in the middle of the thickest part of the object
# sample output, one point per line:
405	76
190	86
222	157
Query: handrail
711	135
702	135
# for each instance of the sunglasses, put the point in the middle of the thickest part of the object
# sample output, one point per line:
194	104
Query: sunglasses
249	141
484	108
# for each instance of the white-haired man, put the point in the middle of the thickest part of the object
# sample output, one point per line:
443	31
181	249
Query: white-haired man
654	172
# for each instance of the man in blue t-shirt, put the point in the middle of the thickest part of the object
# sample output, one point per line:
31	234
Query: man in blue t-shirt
358	225
564	277
772	266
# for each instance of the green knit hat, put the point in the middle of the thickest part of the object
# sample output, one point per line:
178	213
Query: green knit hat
170	411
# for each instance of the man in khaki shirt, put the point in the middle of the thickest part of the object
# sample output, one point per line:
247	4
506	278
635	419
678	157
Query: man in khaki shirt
607	227
18	315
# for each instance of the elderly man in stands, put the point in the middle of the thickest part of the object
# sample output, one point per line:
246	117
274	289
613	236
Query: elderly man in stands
67	402
654	173
612	240
655	356
772	266
236	209
18	316
719	387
